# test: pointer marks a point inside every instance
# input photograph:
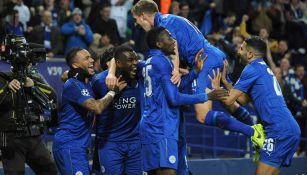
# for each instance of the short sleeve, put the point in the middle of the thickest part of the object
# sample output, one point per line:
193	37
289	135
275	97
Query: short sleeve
77	92
247	79
99	85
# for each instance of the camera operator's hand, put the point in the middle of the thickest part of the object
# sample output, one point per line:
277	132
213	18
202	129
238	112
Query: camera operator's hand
29	82
14	85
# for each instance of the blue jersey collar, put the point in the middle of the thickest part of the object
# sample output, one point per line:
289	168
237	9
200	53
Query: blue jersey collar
256	60
155	52
157	19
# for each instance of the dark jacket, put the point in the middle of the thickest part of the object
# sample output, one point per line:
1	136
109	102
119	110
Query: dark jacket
37	36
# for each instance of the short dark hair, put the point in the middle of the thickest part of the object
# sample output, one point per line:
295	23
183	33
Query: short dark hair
145	6
153	36
71	55
119	51
257	45
105	57
296	66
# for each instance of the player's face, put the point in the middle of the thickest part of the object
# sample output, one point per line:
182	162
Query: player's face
128	65
244	54
167	43
85	61
142	21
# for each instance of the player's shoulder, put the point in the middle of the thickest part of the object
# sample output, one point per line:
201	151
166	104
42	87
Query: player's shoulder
100	77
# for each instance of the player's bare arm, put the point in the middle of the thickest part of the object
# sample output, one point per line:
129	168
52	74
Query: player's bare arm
97	106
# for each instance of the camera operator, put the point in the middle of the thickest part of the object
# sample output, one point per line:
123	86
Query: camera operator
21	124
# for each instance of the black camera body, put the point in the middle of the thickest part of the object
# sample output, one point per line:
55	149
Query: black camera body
17	52
20	55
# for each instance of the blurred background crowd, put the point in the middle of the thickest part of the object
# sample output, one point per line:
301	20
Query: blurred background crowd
98	25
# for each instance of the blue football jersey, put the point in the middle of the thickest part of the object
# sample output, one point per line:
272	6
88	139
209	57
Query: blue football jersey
119	122
258	81
160	118
75	122
189	39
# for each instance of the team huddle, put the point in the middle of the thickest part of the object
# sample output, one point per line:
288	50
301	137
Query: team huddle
134	105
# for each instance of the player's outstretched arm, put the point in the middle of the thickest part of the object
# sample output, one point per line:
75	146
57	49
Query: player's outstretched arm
175	98
199	62
176	75
234	94
98	106
111	78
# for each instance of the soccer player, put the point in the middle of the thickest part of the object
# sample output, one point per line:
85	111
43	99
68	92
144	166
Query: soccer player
76	114
118	126
189	40
259	83
160	119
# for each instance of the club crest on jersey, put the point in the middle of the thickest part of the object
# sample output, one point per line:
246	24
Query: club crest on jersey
85	92
102	168
79	173
172	159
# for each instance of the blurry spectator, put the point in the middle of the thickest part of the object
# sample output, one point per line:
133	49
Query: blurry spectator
262	20
285	67
239	7
77	32
281	52
48	35
288	95
264	34
35	19
100	44
174	9
119	12
296	9
184	10
227	24
7	8
50	5
64	12
94	12
14	26
24	12
297	89
295	32
277	15
105	25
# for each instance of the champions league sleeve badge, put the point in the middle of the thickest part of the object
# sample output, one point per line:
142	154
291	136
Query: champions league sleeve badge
85	92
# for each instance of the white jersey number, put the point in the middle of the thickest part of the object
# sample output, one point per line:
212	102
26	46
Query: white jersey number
147	82
275	83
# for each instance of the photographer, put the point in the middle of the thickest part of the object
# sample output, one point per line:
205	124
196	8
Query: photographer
22	124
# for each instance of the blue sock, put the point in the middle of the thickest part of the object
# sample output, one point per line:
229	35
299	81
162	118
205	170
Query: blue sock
243	115
226	121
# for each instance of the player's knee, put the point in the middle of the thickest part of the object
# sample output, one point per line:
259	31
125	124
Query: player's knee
201	116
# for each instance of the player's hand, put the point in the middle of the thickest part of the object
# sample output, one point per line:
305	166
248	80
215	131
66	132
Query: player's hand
111	81
14	85
216	79
176	77
120	85
224	72
218	94
64	76
199	61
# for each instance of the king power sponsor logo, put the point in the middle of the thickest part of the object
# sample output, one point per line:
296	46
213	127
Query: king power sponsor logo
125	103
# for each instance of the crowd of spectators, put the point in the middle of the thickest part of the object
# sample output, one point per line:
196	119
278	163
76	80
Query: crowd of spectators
98	25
